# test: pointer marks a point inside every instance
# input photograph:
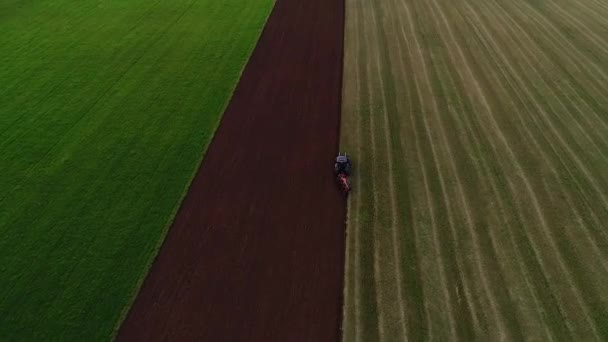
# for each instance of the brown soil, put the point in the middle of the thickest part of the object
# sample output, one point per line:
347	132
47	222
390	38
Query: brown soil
256	250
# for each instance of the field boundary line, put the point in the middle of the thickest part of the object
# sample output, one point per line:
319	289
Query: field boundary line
171	218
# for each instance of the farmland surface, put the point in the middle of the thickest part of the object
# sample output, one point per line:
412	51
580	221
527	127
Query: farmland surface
105	110
479	132
256	250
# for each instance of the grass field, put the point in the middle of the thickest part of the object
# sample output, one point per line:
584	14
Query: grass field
105	110
479	133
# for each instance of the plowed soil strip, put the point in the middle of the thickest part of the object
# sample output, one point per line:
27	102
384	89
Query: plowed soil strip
256	250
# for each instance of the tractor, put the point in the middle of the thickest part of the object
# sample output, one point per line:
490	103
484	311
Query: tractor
342	169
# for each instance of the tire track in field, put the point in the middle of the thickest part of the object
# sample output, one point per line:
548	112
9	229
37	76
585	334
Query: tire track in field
408	287
390	177
595	123
512	238
506	61
595	188
483	175
538	107
380	305
598	3
443	283
596	40
469	78
523	34
418	313
541	220
553	36
490	177
593	127
395	325
583	285
367	300
424	87
491	295
520	84
528	187
486	177
564	136
537	251
566	48
491	235
585	10
372	143
459	83
357	199
469	216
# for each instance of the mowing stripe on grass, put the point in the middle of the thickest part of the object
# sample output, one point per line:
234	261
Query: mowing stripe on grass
498	110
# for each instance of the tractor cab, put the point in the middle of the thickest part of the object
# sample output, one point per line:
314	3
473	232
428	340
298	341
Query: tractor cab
342	164
342	167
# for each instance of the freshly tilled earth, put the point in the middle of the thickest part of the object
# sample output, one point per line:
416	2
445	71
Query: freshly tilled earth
255	252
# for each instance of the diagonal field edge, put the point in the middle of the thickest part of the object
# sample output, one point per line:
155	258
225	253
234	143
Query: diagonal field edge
171	218
256	249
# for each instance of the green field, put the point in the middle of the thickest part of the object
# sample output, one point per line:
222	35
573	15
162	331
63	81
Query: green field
479	134
106	107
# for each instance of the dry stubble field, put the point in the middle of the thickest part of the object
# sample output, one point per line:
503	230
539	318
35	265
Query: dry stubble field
479	129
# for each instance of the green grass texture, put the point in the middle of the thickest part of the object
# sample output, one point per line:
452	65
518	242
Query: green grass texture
106	108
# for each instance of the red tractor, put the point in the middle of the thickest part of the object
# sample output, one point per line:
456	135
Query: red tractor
342	168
